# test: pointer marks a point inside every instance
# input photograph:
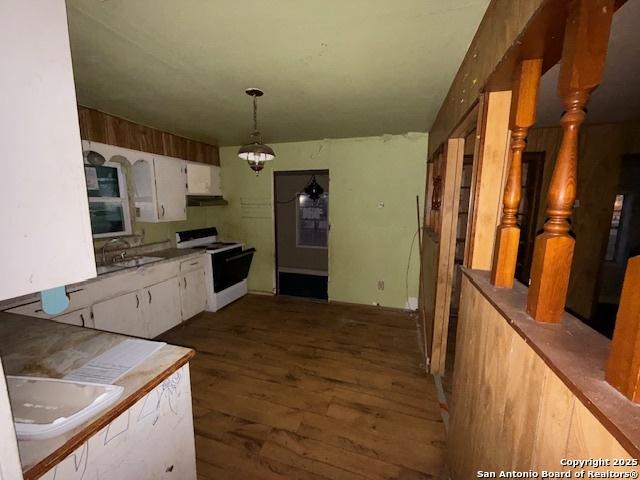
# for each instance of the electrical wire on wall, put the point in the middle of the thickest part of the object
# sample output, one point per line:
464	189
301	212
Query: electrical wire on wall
413	241
312	189
406	278
287	201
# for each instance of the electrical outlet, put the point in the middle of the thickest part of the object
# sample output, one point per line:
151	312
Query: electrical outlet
380	285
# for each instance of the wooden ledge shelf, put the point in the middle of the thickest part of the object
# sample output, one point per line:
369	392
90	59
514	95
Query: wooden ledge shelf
575	353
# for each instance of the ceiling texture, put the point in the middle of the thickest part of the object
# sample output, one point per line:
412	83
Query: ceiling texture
617	99
329	68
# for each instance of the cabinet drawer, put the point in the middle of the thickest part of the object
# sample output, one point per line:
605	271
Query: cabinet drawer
195	263
77	299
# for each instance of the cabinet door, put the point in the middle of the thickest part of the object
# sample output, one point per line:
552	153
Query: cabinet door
161	306
193	293
144	190
199	177
42	187
81	318
171	188
121	315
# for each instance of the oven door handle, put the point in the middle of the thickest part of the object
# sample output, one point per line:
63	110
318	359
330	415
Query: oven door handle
246	253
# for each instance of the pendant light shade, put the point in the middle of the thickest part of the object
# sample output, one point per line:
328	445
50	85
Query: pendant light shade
256	153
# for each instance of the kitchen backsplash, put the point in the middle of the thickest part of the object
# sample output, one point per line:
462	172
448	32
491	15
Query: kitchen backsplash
146	233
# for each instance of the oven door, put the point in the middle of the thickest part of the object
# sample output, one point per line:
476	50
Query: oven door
231	267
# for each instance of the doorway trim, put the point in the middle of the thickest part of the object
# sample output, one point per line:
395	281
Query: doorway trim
293	172
490	119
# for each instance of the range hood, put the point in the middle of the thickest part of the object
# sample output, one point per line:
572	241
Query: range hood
205	200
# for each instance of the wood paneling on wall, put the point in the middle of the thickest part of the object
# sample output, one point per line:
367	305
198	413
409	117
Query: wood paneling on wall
599	161
510	410
104	128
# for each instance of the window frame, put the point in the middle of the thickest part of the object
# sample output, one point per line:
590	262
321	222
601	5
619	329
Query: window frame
618	247
122	200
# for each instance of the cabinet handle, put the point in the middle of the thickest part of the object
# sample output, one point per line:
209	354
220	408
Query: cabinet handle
193	264
137	301
82	318
162	206
185	283
149	292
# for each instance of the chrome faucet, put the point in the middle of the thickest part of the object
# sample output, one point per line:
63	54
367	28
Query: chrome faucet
111	242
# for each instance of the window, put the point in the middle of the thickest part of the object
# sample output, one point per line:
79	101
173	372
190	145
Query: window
614	230
312	221
108	200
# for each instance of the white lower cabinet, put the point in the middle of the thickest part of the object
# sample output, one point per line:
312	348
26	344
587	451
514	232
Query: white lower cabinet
143	303
121	315
161	306
81	317
193	293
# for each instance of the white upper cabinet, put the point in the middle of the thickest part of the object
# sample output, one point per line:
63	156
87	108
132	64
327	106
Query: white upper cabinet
171	188
160	185
159	182
203	179
46	231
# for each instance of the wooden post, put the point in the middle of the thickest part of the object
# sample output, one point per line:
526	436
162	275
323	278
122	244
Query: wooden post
491	156
583	55
523	116
623	369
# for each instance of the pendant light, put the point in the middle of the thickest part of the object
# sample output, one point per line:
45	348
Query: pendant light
256	153
313	189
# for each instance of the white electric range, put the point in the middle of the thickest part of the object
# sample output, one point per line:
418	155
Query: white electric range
228	269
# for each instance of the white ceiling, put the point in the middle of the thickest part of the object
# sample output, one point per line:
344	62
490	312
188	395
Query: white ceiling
330	68
617	99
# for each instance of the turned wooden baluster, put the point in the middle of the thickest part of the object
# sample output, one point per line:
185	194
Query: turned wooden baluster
523	116
623	369
583	54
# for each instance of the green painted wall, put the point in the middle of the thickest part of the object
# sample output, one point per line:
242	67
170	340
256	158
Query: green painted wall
197	217
368	242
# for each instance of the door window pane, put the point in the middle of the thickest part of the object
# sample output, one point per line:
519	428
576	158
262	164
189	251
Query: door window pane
312	221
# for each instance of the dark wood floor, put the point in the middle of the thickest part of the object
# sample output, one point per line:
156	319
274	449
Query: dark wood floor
286	389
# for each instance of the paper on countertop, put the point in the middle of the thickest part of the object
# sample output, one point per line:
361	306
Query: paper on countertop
111	365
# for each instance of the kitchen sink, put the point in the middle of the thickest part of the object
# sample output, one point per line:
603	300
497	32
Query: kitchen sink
132	262
48	407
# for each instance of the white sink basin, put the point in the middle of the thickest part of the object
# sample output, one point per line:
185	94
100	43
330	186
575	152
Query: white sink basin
48	407
133	262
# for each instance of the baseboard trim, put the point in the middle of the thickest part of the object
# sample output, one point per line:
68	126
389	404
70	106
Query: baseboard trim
373	307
